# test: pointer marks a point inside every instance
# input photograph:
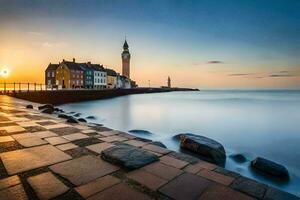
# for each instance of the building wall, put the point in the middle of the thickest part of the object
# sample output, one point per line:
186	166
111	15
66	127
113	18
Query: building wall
50	79
111	82
63	76
126	64
88	78
76	78
100	81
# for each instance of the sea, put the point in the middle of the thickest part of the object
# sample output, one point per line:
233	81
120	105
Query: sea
263	123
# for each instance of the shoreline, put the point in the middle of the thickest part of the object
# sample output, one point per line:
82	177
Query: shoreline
58	97
235	183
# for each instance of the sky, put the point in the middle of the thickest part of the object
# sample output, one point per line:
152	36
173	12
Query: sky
200	43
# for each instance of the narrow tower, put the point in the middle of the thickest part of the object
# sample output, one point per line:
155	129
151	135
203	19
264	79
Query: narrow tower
126	60
169	82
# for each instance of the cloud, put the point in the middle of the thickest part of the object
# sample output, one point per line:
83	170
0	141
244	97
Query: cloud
214	62
35	33
282	74
54	44
245	74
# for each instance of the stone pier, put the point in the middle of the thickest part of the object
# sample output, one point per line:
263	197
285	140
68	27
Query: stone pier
43	157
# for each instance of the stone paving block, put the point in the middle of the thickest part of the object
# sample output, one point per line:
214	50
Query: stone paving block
27	123
47	186
98	148
7	123
82	127
186	186
75	136
275	194
88	131
45	134
249	187
33	129
101	128
120	192
65	147
114	138
12	129
31	141
22	136
168	160
156	149
163	171
214	176
97	185
128	136
30	158
135	143
6	139
46	123
147	179
218	192
56	126
56	140
9	181
128	156
184	157
109	133
65	130
87	141
18	119
226	172
195	168
84	169
13	193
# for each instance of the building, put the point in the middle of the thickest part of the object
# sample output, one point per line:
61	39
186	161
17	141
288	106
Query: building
50	74
88	75
100	76
169	82
126	60
69	75
111	78
123	82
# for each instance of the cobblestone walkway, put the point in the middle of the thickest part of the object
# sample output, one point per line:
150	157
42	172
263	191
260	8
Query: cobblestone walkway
43	157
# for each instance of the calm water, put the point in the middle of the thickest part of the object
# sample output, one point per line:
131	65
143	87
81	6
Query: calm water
255	123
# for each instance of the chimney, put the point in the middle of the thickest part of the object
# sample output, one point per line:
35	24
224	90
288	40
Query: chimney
73	59
89	62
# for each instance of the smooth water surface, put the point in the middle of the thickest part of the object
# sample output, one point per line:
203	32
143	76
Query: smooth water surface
255	123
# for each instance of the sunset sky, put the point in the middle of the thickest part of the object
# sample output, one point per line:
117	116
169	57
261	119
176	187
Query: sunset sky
201	43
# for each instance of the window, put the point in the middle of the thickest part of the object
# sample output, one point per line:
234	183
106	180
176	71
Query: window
53	74
48	74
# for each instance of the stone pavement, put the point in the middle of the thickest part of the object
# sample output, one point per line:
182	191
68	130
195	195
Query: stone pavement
43	157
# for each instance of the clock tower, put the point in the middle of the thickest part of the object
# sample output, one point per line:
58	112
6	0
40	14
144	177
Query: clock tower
126	60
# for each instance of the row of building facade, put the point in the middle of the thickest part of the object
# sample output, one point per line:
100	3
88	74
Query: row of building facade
71	75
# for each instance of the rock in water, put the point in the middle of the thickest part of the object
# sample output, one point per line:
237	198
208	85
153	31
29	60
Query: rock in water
77	115
128	156
46	106
270	167
203	146
63	116
239	158
29	106
91	117
72	120
82	120
138	131
48	110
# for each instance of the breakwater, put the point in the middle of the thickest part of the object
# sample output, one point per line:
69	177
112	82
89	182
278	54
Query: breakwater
57	97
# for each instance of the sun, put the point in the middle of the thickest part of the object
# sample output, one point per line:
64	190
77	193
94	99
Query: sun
4	73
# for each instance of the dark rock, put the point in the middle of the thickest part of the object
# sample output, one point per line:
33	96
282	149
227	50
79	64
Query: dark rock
143	139
82	120
176	137
48	110
128	156
238	158
160	144
270	167
46	106
91	117
72	120
184	157
226	172
275	194
203	146
72	112
138	131
29	106
77	115
63	116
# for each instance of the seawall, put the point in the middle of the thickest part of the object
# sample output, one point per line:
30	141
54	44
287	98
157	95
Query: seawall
57	97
